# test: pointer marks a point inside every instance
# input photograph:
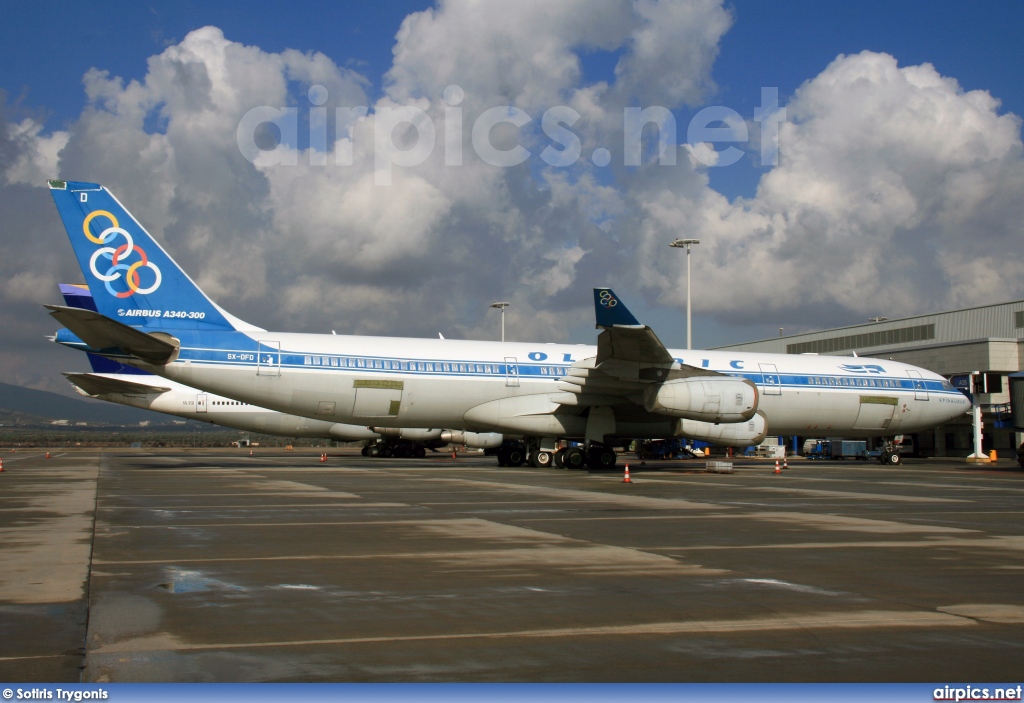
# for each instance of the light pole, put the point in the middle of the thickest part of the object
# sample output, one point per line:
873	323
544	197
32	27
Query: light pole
679	244
501	305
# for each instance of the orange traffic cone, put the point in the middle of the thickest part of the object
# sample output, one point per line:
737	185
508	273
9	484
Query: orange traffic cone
1	464
47	455
453	454
625	478
250	452
785	463
777	469
323	458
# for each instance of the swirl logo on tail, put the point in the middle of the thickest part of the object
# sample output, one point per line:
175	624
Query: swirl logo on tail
118	258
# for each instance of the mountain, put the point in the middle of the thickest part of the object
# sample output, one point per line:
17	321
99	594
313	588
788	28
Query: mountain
21	402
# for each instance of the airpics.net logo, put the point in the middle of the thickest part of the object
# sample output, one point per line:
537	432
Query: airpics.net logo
565	149
977	693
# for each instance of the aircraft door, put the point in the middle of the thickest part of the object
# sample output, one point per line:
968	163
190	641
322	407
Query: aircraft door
875	412
201	403
920	387
770	384
374	398
511	372
268	358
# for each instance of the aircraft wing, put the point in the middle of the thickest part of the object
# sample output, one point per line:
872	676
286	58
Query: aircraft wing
96	384
629	358
101	332
624	338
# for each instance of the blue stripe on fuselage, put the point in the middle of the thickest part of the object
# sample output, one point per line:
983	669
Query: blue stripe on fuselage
239	350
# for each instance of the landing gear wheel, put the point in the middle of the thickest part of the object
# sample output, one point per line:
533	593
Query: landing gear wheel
601	459
541	460
516	457
373	451
558	460
572	458
365	451
419	452
386	452
892	459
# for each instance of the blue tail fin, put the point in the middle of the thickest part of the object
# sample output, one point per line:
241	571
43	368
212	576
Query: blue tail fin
77	295
610	311
131	277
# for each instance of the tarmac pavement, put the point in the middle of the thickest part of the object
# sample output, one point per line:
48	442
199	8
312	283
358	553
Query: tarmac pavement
216	566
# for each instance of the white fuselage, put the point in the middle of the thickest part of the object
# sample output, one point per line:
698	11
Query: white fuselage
190	403
403	382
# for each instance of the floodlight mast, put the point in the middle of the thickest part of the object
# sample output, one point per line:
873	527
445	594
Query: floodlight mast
501	305
679	244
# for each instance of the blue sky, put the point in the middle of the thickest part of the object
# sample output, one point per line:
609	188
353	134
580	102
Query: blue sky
45	53
897	193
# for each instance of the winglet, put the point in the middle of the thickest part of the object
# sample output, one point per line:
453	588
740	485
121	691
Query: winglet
610	311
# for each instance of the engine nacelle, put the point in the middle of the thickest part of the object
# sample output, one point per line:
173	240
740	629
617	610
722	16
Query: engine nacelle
726	434
477	440
704	398
407	433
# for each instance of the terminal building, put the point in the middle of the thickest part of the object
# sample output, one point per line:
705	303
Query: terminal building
986	341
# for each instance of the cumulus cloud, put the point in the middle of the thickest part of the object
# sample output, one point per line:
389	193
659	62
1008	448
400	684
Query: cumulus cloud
896	192
895	195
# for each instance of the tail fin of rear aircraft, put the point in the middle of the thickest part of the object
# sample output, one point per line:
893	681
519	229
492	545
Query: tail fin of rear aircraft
610	311
131	277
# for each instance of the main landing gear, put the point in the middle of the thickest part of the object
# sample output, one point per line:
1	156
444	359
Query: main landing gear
399	449
541	454
512	452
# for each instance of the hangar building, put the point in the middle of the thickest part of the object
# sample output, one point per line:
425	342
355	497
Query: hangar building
988	340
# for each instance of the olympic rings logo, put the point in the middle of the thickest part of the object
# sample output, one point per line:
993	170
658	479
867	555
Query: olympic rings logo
606	299
117	257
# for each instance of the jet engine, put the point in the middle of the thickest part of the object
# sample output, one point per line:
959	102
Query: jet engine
478	440
726	434
413	434
703	398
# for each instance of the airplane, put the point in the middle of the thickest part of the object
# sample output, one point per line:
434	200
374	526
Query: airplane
118	383
150	314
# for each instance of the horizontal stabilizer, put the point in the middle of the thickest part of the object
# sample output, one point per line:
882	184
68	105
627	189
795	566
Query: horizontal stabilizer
97	384
101	332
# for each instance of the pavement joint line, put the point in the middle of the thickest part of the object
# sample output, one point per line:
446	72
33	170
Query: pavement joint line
253	494
261	506
587	496
814	621
985	542
192	525
810	491
568	543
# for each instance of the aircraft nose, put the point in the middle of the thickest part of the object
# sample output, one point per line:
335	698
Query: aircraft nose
963	405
